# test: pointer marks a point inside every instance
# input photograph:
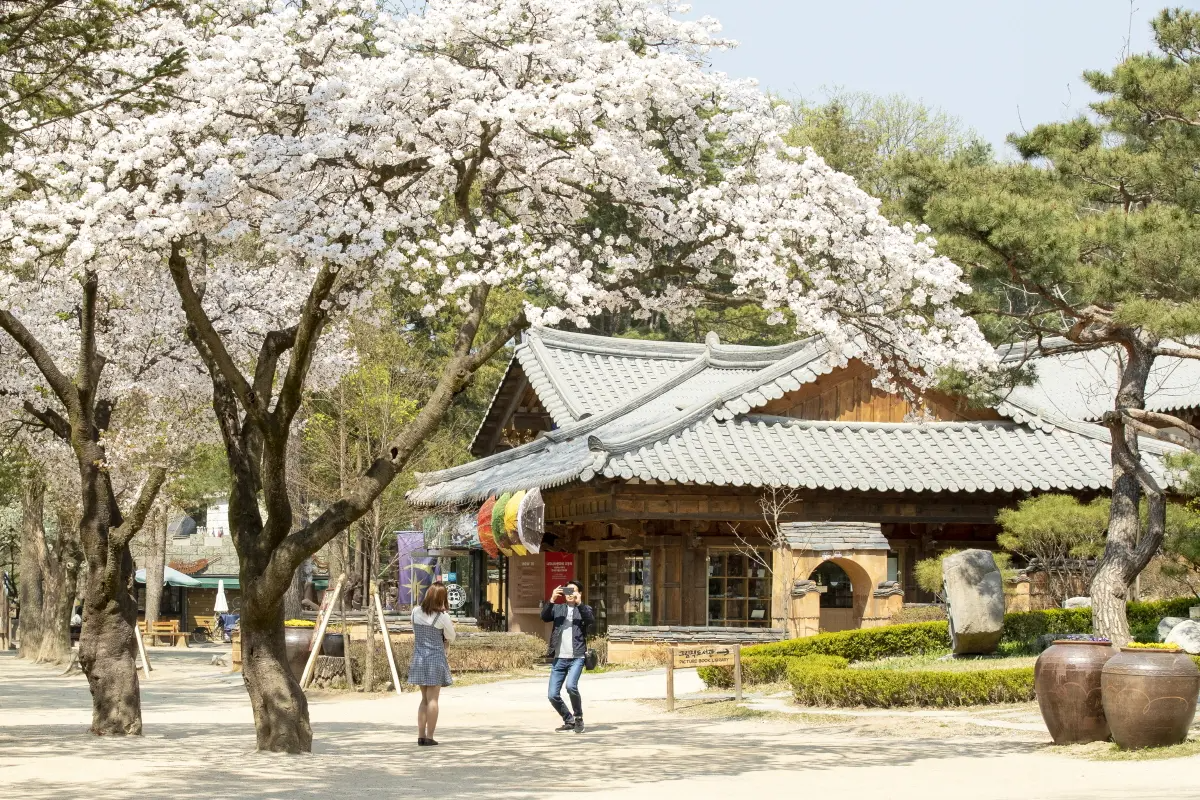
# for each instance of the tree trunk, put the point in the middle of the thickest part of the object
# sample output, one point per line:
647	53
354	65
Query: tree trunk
1125	555
30	589
280	707
156	564
107	651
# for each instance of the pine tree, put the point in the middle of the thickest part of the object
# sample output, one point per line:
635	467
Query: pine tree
1090	242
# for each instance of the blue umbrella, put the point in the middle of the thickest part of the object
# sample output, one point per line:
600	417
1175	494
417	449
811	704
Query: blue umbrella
171	577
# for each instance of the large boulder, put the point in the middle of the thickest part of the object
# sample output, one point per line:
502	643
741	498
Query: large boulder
1187	636
975	599
1077	602
1167	625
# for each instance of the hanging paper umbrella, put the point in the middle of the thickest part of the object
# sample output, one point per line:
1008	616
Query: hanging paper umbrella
531	520
484	527
510	522
502	541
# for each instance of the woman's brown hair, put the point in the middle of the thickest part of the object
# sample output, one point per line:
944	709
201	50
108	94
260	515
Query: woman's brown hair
435	599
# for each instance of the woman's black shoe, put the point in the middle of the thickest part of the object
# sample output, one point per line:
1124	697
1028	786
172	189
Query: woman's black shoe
421	741
566	726
431	742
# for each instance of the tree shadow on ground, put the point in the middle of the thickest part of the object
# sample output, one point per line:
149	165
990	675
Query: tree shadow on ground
368	760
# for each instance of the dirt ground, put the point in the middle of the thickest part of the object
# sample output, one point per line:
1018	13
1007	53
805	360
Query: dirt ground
497	742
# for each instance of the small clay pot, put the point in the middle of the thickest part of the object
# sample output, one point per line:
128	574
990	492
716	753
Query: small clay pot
295	641
1066	678
1149	696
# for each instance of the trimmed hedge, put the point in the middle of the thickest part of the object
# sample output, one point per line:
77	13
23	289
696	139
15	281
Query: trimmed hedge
818	685
767	663
764	669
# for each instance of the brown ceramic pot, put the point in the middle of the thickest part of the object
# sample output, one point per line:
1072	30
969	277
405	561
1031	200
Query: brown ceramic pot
1067	680
295	642
1149	696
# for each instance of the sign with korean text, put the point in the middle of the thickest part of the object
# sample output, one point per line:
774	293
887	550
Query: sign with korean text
704	655
560	568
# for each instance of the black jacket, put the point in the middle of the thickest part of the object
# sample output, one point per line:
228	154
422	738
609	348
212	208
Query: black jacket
557	613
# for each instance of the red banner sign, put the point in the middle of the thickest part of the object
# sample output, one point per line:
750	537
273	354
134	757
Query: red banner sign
560	568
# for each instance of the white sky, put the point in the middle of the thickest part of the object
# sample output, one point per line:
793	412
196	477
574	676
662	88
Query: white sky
996	64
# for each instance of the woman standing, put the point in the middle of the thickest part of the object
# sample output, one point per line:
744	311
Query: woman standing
433	631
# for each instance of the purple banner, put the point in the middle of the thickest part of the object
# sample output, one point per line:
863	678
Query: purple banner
416	567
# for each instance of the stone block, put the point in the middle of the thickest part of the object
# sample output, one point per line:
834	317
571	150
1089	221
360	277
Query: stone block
1166	625
1187	636
1077	602
974	594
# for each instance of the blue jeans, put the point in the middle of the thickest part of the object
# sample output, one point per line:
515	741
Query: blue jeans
569	670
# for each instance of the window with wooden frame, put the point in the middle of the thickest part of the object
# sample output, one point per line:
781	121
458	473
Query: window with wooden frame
739	589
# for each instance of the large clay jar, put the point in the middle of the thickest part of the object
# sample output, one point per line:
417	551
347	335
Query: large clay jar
1067	680
1149	696
295	641
334	644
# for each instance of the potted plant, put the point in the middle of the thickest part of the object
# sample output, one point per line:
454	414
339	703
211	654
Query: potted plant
297	638
1149	695
1066	679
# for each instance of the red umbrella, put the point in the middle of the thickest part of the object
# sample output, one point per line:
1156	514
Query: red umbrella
484	526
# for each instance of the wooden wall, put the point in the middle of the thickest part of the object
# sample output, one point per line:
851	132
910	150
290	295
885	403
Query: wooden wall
846	395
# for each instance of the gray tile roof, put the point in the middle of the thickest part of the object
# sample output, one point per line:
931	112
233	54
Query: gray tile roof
825	537
693	422
1082	385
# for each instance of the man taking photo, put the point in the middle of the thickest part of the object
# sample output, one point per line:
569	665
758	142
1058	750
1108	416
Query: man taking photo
568	647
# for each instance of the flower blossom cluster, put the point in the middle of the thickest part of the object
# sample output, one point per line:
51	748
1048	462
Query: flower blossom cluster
579	153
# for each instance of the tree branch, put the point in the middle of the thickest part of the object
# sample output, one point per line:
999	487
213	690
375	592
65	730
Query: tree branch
60	384
141	509
218	355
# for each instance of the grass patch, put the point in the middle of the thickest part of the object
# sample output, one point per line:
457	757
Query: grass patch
1107	751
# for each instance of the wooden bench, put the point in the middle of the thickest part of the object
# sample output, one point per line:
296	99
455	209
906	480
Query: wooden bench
170	630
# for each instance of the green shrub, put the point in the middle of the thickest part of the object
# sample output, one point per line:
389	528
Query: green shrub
1021	628
831	686
864	644
1025	626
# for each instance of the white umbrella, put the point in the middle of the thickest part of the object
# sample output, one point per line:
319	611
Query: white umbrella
222	605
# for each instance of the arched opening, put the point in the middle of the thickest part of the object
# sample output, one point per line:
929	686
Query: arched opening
840	608
837	591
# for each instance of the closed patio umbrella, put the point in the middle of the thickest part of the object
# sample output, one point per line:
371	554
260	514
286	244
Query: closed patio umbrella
221	606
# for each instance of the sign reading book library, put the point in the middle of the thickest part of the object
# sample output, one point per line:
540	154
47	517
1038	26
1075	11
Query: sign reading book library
704	655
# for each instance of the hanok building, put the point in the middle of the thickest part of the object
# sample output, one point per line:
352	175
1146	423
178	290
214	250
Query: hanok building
654	460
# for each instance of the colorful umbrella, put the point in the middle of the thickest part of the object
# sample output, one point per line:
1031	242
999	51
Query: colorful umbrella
484	528
531	520
502	541
510	522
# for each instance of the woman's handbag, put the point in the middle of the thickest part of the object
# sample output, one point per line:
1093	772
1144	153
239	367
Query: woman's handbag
591	659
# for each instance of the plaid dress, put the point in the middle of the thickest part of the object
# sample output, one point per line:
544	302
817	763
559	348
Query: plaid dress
429	666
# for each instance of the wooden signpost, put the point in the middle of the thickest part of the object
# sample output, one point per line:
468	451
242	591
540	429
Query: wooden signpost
704	655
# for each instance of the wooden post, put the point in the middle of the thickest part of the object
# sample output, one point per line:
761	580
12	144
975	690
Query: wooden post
137	633
737	673
369	670
387	642
322	622
346	649
670	679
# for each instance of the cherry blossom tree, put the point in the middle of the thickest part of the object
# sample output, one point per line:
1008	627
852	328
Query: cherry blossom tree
578	154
